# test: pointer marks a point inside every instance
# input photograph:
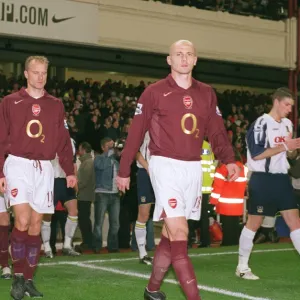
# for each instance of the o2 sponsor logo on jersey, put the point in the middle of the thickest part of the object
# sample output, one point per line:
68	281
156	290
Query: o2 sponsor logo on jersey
138	110
188	102
36	109
279	139
172	203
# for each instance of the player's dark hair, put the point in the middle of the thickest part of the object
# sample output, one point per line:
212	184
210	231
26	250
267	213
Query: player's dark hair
86	146
282	93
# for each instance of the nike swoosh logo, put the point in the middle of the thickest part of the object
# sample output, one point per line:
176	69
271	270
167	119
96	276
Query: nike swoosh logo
55	20
189	281
16	102
166	94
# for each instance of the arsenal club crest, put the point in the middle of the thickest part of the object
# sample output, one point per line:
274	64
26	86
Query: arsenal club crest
36	109
172	203
188	102
14	193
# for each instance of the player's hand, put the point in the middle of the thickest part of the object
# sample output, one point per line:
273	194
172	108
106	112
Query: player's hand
233	172
71	181
292	144
123	183
3	185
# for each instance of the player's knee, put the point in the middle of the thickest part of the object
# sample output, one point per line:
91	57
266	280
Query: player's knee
253	227
34	228
254	223
143	217
294	224
73	212
179	234
4	219
72	208
47	217
22	223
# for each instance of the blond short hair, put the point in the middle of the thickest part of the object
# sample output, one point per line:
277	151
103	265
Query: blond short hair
40	59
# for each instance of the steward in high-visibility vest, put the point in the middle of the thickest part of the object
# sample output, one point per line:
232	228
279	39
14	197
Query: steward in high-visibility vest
208	167
228	196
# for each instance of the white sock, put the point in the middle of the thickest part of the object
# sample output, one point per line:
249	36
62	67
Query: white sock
295	237
70	229
140	235
245	248
46	232
268	222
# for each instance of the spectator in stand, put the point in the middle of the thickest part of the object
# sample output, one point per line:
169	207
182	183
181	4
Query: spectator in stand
114	131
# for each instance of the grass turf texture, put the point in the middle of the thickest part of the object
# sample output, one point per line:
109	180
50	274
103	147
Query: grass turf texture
117	276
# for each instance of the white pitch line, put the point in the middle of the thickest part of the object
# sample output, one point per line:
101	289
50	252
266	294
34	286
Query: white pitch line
136	258
144	276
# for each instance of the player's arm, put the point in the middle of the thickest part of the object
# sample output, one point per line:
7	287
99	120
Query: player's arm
217	134
291	154
140	158
64	147
258	146
136	132
4	132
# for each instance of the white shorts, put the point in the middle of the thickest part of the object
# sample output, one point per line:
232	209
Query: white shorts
29	181
177	187
2	205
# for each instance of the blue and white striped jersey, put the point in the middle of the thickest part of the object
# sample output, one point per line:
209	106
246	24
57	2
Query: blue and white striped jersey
265	133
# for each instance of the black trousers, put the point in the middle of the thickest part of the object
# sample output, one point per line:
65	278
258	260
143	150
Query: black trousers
59	217
203	224
84	222
231	230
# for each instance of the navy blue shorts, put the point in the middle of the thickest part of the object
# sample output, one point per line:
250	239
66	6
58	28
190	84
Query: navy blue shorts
270	193
144	187
61	192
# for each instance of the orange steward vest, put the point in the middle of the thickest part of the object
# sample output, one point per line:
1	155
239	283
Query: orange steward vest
228	196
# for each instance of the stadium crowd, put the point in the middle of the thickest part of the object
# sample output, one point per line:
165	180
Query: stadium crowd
265	9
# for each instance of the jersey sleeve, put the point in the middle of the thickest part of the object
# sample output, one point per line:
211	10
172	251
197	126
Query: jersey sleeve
217	134
64	149
4	132
138	128
257	137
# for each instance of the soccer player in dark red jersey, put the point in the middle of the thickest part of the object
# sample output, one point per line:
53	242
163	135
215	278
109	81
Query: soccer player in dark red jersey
4	232
178	112
32	121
